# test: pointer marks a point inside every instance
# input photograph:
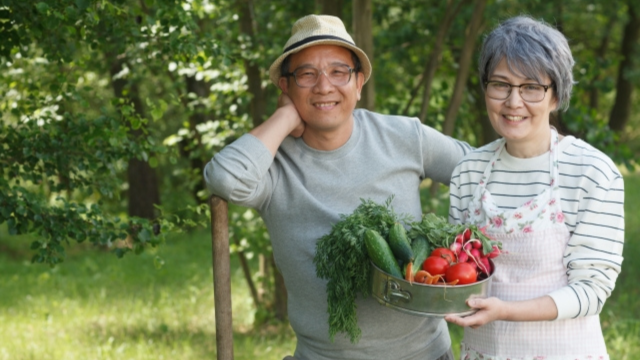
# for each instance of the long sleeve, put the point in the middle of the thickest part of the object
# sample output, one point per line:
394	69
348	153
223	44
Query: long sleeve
240	172
593	257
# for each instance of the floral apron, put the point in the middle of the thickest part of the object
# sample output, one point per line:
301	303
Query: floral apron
534	237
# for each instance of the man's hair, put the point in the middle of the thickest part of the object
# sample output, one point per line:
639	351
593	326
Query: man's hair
286	64
533	49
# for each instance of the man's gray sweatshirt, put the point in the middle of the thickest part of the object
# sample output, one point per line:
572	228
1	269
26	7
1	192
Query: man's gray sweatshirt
302	193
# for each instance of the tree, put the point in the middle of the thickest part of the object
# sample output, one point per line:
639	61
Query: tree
464	66
66	144
330	7
624	88
432	64
363	36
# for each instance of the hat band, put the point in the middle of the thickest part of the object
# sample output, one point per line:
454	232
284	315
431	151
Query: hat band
314	38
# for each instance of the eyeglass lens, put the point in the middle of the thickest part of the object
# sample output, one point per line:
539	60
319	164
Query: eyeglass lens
529	92
338	75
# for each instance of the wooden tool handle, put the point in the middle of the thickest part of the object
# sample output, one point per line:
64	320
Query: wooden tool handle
221	277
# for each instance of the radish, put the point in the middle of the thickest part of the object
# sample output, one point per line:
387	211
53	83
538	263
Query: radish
473	262
484	265
466	234
463	257
495	252
475	253
456	247
477	244
467	246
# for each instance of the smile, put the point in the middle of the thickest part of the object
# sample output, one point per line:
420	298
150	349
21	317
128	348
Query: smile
325	104
514	118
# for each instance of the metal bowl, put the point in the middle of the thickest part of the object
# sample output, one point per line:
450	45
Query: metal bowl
426	300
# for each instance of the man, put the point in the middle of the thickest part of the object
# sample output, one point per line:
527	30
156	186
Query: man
315	158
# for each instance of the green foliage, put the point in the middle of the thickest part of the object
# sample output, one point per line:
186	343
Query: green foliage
65	139
588	125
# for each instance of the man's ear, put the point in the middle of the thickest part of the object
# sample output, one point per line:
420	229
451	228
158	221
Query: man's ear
359	83
283	84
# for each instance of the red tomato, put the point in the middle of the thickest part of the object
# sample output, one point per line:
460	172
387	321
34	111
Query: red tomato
465	273
444	253
435	265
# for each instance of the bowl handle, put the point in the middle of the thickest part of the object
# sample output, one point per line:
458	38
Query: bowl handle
394	293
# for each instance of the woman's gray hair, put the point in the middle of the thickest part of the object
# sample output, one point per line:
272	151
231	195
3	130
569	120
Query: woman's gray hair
531	48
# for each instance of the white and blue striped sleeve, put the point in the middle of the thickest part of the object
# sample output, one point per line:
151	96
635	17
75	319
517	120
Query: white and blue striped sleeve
593	256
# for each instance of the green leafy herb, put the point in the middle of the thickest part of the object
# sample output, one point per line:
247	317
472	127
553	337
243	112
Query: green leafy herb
341	258
441	233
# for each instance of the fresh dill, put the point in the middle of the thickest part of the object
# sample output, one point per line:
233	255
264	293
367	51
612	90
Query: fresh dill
342	259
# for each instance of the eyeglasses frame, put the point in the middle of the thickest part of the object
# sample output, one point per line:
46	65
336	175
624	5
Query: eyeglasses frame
511	86
320	72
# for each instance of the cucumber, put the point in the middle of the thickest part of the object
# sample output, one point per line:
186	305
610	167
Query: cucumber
399	242
420	247
380	253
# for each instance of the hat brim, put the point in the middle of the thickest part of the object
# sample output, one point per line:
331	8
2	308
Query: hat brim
274	69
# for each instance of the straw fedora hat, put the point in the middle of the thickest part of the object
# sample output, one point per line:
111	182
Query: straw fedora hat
314	30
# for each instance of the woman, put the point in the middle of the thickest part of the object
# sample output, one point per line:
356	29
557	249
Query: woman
555	203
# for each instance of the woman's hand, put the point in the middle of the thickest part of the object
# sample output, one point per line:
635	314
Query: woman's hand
489	310
492	309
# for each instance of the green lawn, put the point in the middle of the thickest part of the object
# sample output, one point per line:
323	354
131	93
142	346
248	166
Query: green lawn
95	306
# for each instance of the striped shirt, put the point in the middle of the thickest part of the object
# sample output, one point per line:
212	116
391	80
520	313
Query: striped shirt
592	200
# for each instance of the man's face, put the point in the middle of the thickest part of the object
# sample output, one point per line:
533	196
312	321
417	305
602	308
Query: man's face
324	107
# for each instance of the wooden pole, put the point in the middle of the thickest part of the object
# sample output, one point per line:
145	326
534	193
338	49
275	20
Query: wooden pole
221	277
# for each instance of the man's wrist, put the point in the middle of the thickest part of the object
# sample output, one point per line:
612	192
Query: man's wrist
289	114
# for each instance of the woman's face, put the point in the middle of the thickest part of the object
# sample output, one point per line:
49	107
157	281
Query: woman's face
524	125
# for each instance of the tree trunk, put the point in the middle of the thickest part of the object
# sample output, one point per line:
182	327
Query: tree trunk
464	66
200	89
143	189
258	101
363	36
331	7
263	273
558	15
487	133
281	293
436	54
246	270
599	55
143	183
258	109
624	88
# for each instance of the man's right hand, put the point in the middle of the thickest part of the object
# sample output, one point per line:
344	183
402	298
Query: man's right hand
285	102
285	121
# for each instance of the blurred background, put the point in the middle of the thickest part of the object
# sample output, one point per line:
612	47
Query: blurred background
110	109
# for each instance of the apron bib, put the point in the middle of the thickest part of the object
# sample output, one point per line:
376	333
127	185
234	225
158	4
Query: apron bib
534	237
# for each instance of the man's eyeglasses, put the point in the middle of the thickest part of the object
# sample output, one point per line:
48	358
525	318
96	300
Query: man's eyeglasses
499	90
308	76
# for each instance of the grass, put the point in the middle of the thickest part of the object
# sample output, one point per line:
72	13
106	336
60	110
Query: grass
95	306
159	305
